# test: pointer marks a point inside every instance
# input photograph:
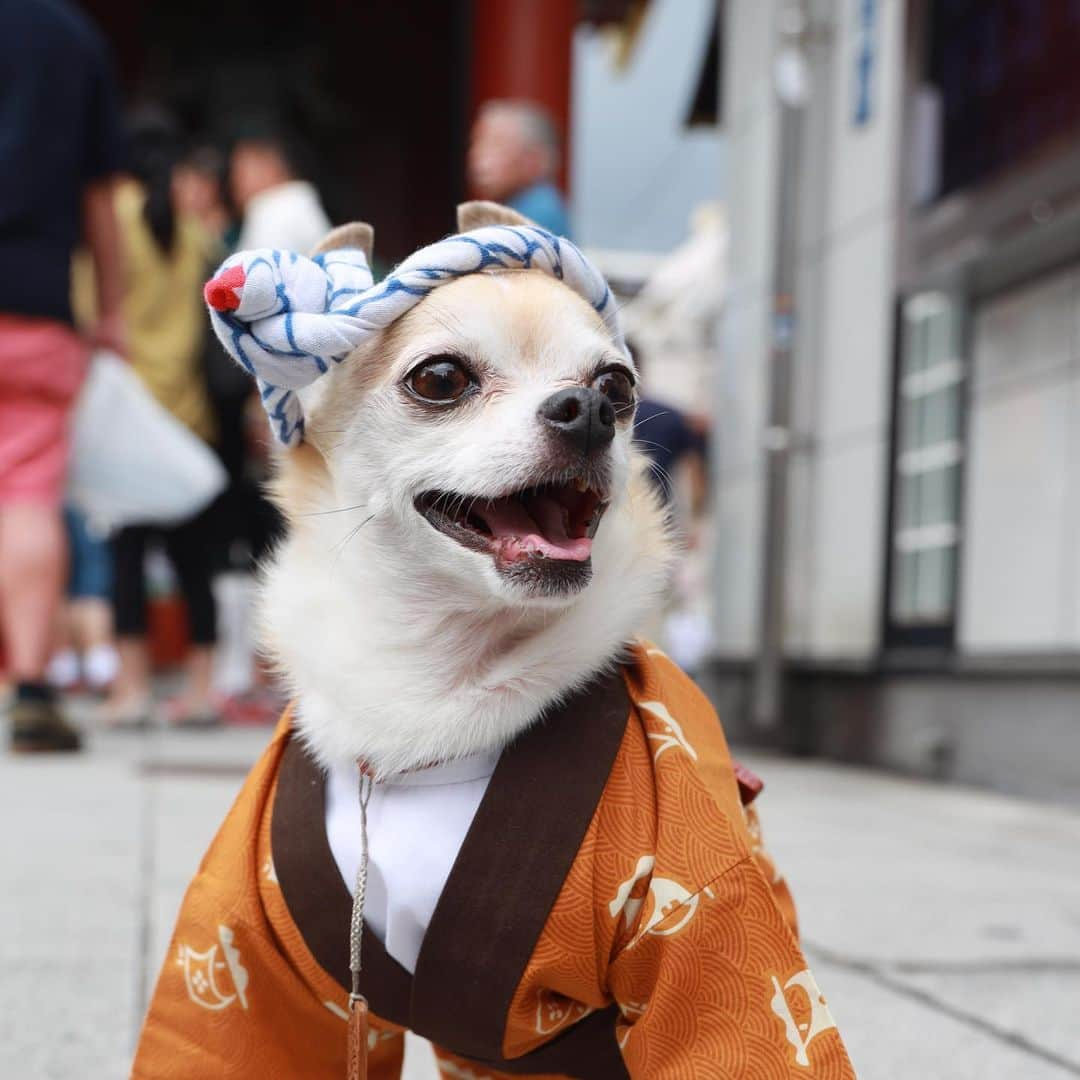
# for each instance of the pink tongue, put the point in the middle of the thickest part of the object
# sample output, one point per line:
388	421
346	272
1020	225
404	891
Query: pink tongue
519	531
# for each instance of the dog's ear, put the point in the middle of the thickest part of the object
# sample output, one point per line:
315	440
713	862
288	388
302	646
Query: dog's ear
478	213
357	234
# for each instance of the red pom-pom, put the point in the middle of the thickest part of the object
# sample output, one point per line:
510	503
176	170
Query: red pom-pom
223	292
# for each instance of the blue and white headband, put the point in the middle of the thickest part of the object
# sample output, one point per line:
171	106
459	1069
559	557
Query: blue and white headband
288	319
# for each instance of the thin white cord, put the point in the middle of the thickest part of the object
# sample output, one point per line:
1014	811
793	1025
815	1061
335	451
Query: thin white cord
356	923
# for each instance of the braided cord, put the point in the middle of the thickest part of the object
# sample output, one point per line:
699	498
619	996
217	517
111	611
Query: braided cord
356	923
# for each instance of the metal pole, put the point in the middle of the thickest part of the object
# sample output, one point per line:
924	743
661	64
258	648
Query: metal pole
768	679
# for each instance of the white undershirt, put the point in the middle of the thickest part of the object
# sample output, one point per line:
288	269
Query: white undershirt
416	826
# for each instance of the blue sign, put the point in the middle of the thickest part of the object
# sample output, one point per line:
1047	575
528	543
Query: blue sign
865	57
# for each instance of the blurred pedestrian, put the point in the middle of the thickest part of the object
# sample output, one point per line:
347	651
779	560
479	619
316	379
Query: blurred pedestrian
280	208
85	652
199	183
674	444
199	191
166	256
513	159
61	144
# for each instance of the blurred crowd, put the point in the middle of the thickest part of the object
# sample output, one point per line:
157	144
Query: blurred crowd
111	220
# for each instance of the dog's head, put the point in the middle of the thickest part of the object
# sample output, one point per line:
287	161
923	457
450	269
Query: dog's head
472	534
484	436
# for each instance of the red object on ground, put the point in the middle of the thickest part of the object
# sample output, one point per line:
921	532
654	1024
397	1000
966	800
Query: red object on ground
256	707
222	293
750	785
522	49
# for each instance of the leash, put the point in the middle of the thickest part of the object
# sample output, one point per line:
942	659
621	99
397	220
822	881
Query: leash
358	1006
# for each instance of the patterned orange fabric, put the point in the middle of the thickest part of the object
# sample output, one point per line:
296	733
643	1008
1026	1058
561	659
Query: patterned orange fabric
239	995
671	910
674	911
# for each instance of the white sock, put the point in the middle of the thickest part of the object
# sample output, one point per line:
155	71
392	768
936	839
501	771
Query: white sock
100	664
63	669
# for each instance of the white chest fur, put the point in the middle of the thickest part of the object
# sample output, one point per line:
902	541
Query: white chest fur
416	826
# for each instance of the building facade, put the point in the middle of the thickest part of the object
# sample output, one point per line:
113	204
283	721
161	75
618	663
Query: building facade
931	551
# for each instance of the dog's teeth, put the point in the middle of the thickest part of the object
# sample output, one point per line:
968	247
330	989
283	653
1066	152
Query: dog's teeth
582	485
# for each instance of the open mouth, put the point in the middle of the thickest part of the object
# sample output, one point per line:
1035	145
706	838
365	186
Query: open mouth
555	522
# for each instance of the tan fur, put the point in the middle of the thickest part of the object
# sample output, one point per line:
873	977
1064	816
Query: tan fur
480	212
301	482
357	234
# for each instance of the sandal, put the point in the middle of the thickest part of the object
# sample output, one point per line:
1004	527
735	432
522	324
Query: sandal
137	715
200	717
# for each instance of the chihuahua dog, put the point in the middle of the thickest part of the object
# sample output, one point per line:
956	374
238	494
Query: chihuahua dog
492	815
472	533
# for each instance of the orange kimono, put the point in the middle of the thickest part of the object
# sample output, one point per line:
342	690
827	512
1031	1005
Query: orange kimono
610	914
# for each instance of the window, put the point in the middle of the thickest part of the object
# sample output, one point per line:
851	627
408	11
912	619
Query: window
1006	82
927	462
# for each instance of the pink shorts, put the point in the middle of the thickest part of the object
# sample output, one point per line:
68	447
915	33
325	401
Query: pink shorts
42	366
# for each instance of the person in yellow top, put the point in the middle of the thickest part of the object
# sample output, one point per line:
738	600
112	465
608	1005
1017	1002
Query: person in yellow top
166	254
163	304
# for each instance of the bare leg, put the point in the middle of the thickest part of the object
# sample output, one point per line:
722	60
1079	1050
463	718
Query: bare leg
195	705
33	552
92	626
91	622
63	670
200	671
130	697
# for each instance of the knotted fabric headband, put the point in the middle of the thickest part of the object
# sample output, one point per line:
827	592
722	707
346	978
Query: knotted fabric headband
288	319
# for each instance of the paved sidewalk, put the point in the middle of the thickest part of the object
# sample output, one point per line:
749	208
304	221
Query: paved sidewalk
943	924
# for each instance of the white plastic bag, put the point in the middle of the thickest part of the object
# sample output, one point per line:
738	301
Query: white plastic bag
132	462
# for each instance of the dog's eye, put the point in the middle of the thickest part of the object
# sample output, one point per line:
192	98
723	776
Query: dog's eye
440	380
617	386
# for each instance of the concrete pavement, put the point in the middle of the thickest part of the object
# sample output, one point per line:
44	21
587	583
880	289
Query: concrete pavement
942	923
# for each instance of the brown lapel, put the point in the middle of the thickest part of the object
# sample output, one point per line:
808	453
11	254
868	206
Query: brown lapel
504	882
315	895
511	867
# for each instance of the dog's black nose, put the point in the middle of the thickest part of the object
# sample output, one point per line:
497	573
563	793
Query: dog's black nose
582	415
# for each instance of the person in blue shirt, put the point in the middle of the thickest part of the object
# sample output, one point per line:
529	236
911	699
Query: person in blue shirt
672	441
513	159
